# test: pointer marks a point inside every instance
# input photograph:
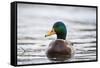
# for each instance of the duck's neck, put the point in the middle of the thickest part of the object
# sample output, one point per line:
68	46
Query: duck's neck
61	36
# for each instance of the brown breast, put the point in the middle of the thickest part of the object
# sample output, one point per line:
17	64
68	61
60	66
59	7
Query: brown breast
59	50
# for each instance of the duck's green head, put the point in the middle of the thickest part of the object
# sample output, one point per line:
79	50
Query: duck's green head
59	29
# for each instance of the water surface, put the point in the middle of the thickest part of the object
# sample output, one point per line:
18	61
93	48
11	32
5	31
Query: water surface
34	21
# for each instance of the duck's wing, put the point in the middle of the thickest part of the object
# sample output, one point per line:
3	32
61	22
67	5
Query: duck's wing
70	45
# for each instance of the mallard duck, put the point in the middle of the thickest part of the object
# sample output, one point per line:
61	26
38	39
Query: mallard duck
59	49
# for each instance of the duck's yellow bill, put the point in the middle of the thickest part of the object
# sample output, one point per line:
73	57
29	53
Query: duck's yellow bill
52	32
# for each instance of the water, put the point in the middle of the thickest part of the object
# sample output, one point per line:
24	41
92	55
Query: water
33	24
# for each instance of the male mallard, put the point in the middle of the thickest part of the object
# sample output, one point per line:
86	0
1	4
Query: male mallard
60	49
